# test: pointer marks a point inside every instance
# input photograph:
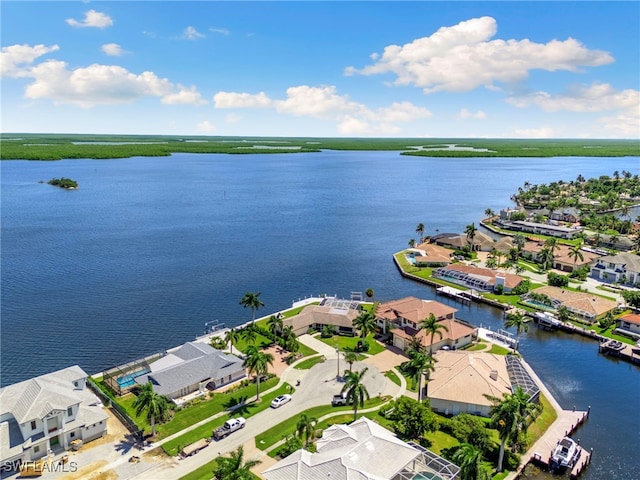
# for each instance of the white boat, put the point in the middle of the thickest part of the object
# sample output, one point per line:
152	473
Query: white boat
566	453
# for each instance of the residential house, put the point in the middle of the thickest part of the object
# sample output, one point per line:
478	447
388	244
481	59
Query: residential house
569	214
582	305
483	279
431	255
629	325
623	268
339	317
562	259
401	318
481	241
363	450
46	414
192	369
462	380
543	229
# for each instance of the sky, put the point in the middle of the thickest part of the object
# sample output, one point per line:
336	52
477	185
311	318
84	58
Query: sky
502	69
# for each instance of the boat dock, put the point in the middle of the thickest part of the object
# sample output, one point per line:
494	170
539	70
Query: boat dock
453	293
625	351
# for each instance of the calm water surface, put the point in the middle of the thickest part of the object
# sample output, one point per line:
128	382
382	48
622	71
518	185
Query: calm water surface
149	249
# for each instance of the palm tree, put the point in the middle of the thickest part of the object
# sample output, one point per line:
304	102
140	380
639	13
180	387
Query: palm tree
509	414
365	322
156	405
545	257
234	467
412	243
431	326
369	293
415	343
356	390
575	253
417	366
564	315
552	244
232	336
350	357
252	300
469	459
257	362
274	324
518	320
471	230
420	231
306	426
489	213
519	240
249	334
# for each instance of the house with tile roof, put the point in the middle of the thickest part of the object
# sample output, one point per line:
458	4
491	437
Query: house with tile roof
629	325
46	414
363	450
562	260
585	306
192	368
483	279
623	268
430	255
401	318
461	380
340	317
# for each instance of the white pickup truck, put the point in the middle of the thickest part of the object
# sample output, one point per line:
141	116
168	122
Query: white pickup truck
229	427
340	399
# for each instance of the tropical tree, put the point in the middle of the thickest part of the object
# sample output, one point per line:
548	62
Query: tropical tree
545	257
489	213
564	315
252	300
249	334
235	467
257	362
420	231
432	327
412	419
365	322
350	357
519	241
306	427
471	230
552	244
469	459
275	324
232	336
576	254
417	366
510	415
412	243
155	405
356	390
415	343
369	293
518	320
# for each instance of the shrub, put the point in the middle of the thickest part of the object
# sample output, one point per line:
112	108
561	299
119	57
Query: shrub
556	280
523	287
327	331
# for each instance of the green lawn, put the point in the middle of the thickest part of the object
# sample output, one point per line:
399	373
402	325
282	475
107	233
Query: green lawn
261	342
172	447
349	343
481	345
391	375
542	423
498	350
440	441
205	472
309	362
306	351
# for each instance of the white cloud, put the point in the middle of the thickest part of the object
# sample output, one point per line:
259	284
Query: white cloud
543	132
232	118
206	127
464	114
149	34
16	60
184	96
462	57
113	49
241	100
622	125
190	33
92	19
221	31
325	103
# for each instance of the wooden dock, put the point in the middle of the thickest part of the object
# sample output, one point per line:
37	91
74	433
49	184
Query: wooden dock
454	293
584	460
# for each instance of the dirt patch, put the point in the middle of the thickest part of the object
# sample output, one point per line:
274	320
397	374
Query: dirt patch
91	472
116	432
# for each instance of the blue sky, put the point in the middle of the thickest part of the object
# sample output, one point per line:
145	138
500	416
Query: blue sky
354	69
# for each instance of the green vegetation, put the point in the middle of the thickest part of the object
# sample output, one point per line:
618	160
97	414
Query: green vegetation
542	422
350	343
498	350
65	183
57	146
205	472
309	362
391	375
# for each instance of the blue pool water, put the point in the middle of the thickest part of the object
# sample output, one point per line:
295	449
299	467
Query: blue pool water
129	379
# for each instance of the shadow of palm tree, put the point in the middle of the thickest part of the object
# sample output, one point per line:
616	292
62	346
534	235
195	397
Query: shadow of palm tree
237	405
128	443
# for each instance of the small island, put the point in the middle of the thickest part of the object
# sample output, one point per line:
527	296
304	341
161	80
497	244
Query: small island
65	183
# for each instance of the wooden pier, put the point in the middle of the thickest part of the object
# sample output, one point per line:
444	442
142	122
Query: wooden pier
453	293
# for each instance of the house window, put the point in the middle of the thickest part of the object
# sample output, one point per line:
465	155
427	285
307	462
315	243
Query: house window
75	384
36	449
33	424
70	411
72	435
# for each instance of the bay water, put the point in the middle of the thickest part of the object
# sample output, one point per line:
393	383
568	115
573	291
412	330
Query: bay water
148	250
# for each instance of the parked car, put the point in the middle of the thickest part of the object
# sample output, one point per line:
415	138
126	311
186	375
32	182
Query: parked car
281	400
341	399
229	427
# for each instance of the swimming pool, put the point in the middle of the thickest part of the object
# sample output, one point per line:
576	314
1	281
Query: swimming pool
129	380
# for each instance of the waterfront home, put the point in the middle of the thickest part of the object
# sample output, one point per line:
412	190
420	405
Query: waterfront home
481	241
584	306
629	326
542	228
569	215
401	318
48	414
338	315
623	268
483	279
362	450
430	255
191	370
562	260
461	381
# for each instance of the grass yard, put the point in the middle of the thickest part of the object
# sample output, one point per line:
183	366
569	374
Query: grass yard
498	350
440	441
391	375
306	351
261	342
345	343
309	362
542	423
205	472
174	446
